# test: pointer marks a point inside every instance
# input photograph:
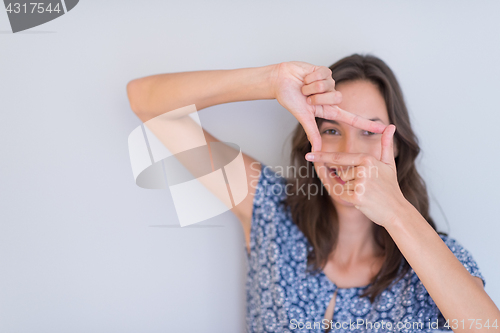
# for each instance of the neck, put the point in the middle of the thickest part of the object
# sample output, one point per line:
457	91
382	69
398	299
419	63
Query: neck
355	242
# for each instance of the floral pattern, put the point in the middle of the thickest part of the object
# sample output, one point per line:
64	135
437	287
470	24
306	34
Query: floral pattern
283	297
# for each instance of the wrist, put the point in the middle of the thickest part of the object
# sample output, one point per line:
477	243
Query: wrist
271	79
409	225
257	83
402	211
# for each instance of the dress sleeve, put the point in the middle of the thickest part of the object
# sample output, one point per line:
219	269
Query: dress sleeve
268	210
268	231
464	256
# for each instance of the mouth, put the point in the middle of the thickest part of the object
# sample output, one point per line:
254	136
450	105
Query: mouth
334	173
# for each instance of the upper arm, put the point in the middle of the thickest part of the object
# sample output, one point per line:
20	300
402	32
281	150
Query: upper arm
243	210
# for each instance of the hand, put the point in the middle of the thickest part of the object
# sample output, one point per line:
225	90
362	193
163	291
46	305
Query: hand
371	184
297	82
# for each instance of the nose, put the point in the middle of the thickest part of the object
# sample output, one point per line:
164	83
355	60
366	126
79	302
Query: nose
349	144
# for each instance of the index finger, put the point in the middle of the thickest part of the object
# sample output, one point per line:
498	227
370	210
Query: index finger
333	112
337	158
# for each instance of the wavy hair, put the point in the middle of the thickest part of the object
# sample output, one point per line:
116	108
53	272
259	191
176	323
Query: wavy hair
316	216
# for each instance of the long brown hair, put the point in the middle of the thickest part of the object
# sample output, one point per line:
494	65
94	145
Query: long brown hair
315	215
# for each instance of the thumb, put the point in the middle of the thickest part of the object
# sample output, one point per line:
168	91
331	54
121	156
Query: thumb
387	155
312	132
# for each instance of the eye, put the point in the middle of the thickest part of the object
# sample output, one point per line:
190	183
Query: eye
331	131
368	133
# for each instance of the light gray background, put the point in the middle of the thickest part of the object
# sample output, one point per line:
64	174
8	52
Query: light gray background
83	249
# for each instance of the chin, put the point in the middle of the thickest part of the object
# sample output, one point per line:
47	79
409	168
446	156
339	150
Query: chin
339	201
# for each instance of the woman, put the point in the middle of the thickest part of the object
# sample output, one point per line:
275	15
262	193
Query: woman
349	244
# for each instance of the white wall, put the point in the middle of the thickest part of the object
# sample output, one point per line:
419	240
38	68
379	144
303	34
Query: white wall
83	249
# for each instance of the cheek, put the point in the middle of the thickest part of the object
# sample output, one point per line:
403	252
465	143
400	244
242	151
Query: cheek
329	145
327	180
323	173
320	170
372	148
317	168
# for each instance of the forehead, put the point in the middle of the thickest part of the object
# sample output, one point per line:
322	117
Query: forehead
364	99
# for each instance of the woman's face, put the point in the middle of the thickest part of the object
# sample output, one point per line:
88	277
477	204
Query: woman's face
364	99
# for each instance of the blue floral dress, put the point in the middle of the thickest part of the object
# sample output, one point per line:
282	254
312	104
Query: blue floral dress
283	297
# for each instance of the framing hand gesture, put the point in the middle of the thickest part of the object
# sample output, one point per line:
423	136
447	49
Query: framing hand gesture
308	91
370	184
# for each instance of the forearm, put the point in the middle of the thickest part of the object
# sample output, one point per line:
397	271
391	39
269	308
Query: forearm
449	284
154	95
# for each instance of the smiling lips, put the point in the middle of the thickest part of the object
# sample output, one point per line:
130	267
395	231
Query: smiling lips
333	172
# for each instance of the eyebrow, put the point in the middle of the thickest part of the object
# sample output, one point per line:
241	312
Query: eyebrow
334	122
